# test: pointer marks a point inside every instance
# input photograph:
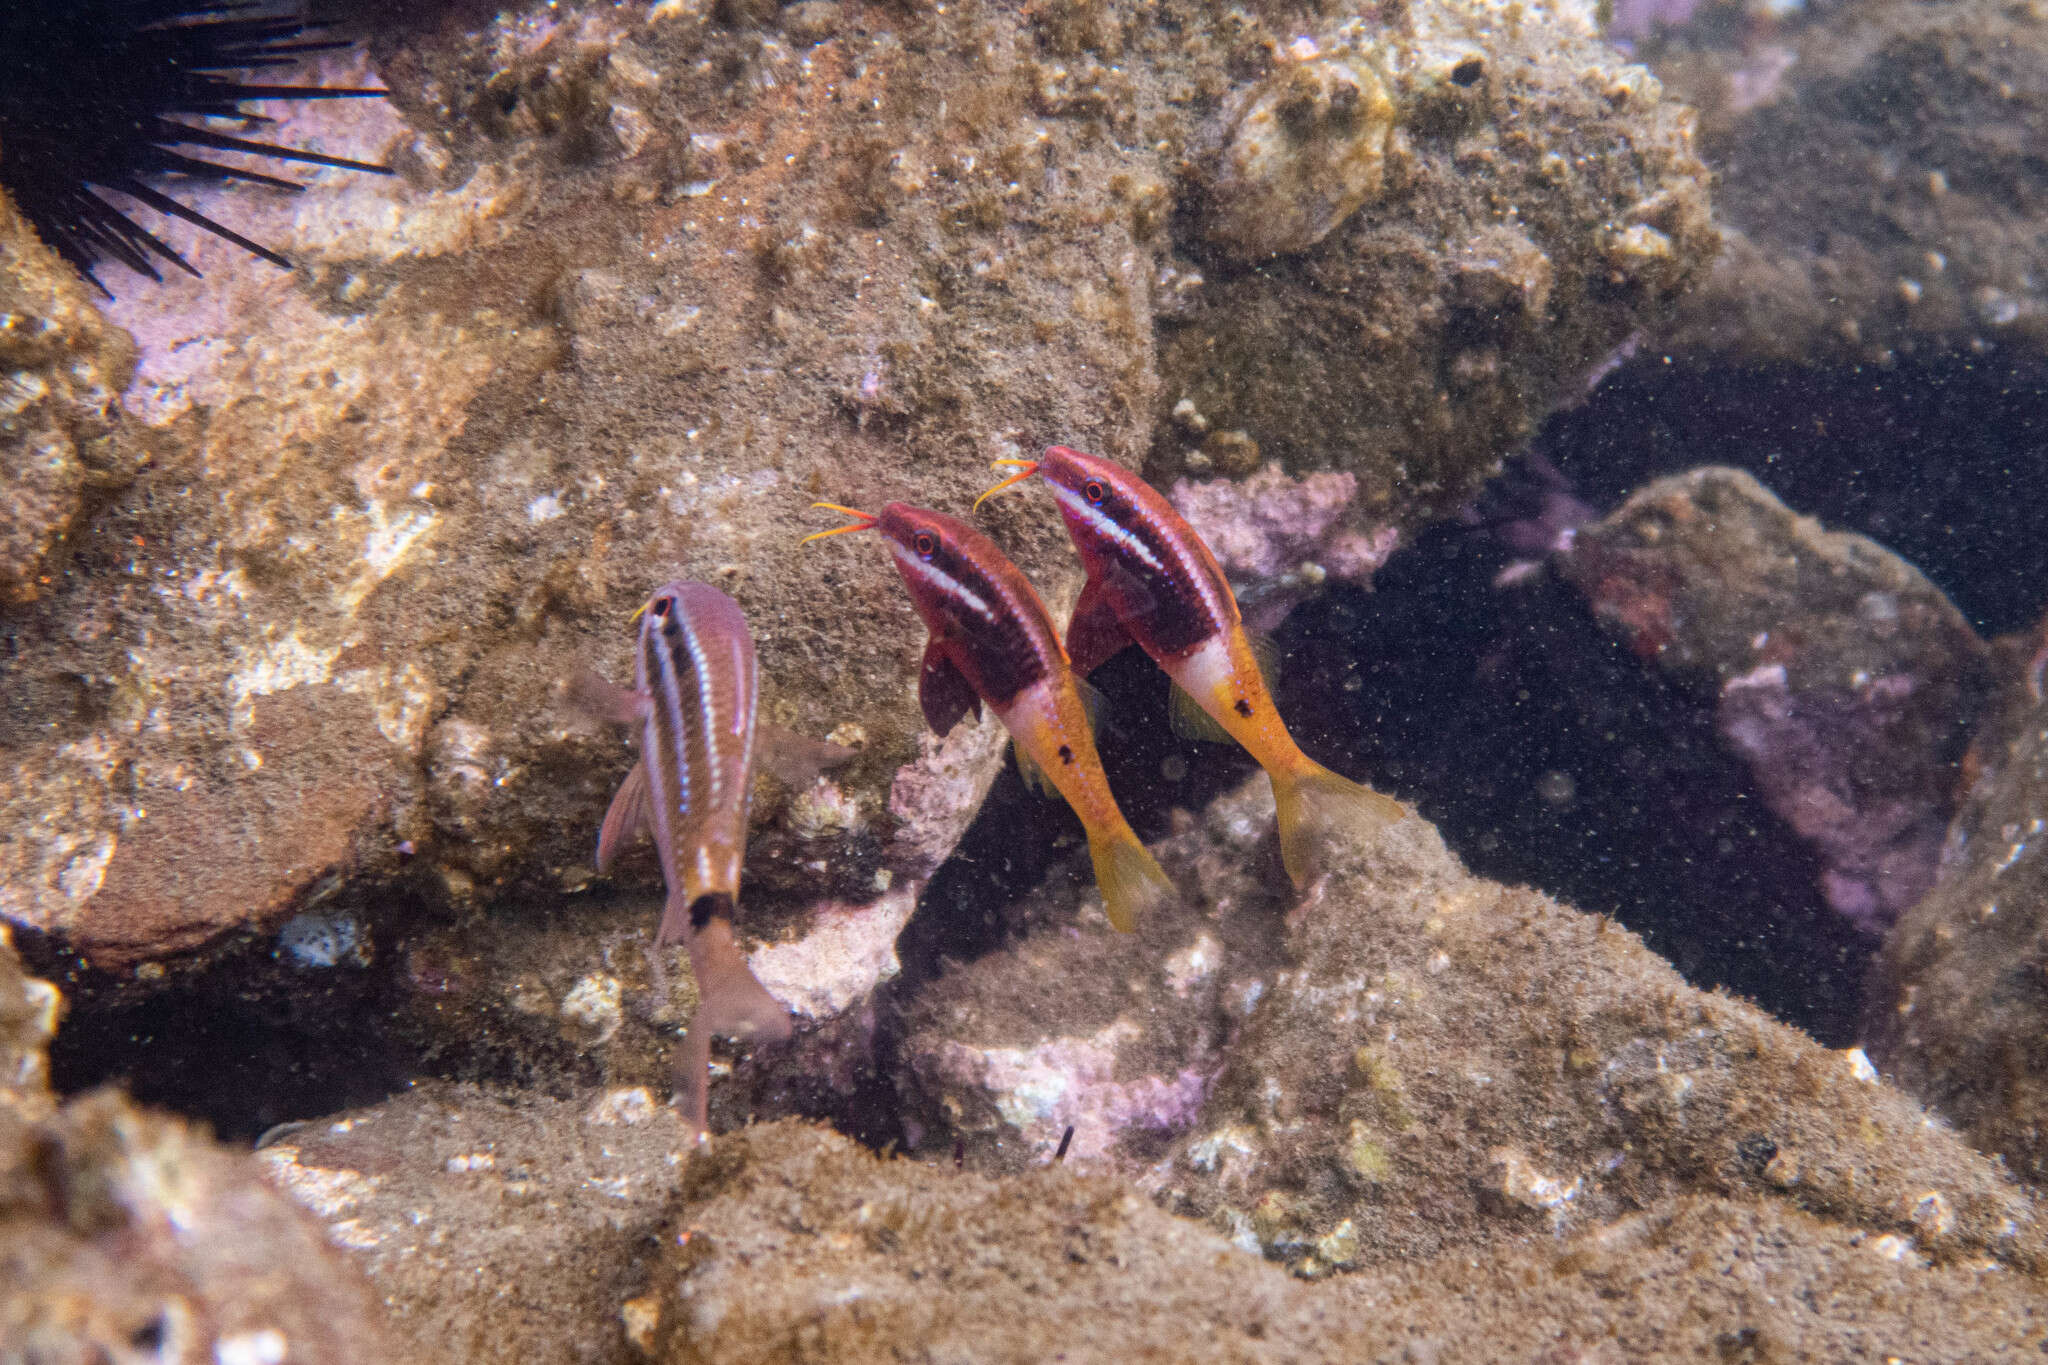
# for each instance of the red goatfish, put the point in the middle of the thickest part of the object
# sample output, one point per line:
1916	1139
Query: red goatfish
694	690
992	640
1151	580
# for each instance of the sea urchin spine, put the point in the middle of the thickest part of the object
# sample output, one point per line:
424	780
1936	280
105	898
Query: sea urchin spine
100	96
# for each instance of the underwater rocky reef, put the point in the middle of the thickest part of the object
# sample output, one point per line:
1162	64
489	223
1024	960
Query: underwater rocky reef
1631	451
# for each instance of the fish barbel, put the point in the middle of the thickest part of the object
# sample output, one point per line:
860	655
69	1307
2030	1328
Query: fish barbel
993	640
695	685
1152	581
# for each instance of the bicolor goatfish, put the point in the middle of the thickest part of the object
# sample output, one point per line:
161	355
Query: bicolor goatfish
993	640
1151	580
694	691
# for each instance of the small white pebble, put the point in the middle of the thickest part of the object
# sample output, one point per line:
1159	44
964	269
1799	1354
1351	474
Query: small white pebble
1860	1067
264	1347
622	1108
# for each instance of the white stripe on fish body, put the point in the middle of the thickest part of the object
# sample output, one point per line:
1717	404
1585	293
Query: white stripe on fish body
1106	526
943	581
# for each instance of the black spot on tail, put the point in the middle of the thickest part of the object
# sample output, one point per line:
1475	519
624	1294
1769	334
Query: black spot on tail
1066	754
702	909
1244	708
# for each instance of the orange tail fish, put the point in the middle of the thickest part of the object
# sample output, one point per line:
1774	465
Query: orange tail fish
992	640
695	686
1151	580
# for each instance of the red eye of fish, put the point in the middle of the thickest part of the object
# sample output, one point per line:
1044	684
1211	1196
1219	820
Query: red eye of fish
1092	490
925	543
659	606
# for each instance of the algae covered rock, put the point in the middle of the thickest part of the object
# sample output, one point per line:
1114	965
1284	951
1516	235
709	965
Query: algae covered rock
1959	1000
1847	680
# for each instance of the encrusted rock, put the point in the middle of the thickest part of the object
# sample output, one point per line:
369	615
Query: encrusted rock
1301	151
62	369
1845	678
1877	180
1441	286
129	1235
1959	999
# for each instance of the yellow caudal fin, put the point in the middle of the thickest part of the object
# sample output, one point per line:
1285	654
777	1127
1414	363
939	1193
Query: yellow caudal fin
1315	805
1130	879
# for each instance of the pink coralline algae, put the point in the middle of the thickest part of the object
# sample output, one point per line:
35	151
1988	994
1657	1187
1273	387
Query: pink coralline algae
1273	524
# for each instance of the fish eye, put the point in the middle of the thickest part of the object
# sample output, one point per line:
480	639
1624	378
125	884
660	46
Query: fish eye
658	607
1092	490
925	543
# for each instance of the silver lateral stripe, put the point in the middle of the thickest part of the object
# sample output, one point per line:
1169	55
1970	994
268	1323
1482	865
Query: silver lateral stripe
707	705
943	581
1107	527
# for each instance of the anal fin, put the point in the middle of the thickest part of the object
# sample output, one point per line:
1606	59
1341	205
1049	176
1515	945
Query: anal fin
624	819
943	691
1095	635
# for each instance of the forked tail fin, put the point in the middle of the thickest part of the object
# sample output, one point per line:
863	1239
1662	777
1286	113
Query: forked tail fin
1131	880
730	1000
1315	805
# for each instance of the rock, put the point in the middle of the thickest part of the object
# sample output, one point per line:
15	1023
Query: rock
792	1244
1301	152
125	1233
1142	1024
460	1204
1414	1062
647	284
1876	186
62	369
1959	996
1448	1063
405	492
1409	342
1845	678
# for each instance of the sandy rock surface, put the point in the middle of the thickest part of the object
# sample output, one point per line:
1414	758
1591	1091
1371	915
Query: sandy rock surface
1848	682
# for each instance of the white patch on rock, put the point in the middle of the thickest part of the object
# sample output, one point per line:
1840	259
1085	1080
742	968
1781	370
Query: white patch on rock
625	1107
592	1007
1044	1089
849	951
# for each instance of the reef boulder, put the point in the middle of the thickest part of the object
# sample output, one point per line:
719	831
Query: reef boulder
1959	997
1847	680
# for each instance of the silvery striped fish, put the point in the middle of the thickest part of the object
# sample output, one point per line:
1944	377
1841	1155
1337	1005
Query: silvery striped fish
695	686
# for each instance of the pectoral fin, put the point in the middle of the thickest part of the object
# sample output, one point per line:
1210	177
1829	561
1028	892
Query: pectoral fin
1094	634
943	690
624	818
796	759
603	700
1190	721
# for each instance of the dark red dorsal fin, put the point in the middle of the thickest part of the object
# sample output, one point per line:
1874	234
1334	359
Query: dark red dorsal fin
943	690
